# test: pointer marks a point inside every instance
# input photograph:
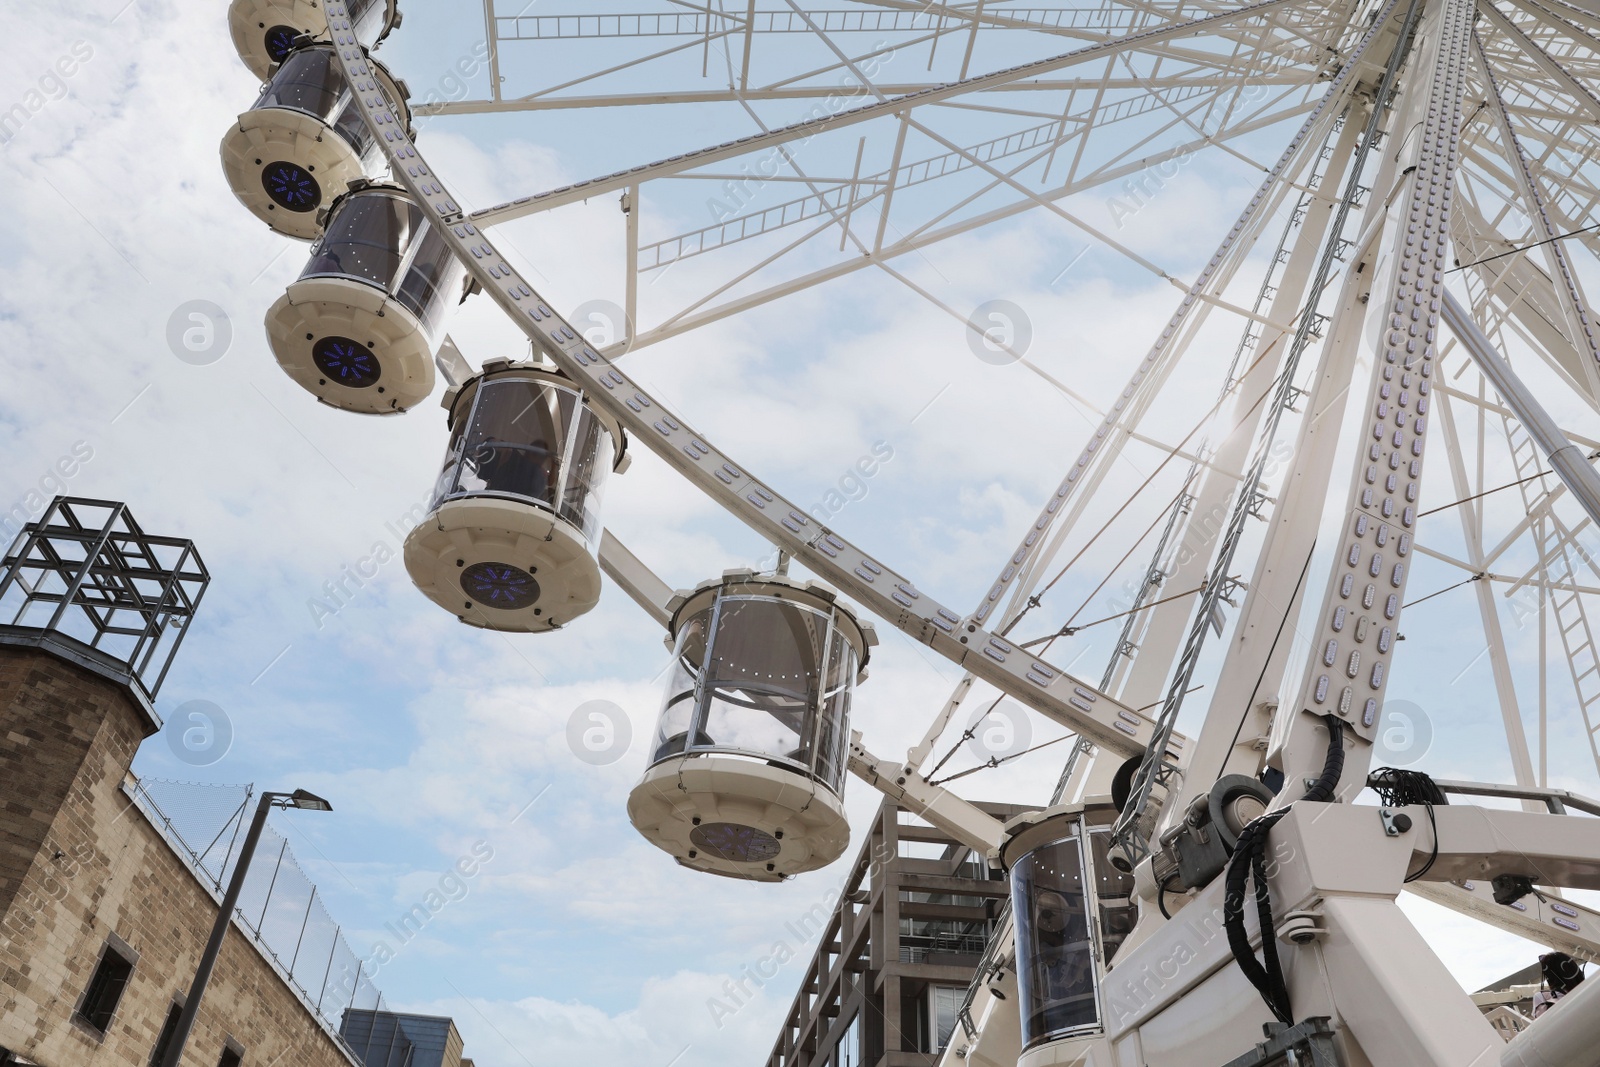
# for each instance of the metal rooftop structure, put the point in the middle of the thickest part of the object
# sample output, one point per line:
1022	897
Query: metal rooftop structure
87	583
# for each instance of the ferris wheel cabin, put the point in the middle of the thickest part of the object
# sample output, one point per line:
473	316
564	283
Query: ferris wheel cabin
1072	910
303	141
264	31
511	540
747	769
360	326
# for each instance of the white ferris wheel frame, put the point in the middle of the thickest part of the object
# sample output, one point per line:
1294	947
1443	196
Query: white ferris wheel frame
965	639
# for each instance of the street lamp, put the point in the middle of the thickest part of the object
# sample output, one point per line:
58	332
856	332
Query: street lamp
301	799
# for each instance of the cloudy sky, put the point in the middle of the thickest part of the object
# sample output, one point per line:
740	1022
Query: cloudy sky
432	739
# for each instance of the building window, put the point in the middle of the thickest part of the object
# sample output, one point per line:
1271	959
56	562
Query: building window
232	1054
847	1051
944	1001
169	1030
104	992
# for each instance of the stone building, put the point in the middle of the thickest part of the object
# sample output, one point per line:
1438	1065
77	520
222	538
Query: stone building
102	920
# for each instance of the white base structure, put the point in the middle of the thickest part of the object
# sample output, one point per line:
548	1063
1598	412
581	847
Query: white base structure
739	817
462	534
274	136
316	310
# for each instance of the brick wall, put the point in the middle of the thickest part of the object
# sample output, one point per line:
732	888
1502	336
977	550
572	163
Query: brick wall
78	862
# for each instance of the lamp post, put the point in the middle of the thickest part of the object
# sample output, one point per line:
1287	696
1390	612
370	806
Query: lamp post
208	959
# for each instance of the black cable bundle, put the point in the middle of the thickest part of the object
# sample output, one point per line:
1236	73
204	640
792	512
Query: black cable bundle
1397	788
1249	858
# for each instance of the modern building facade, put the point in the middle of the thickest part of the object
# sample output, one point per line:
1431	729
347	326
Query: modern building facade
897	953
392	1039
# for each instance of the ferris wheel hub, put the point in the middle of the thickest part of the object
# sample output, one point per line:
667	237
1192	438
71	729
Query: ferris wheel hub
318	330
739	817
503	565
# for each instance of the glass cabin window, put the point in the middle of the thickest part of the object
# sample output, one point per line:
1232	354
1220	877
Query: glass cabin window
367	238
678	708
515	442
309	81
774	683
526	438
368	17
426	290
1055	955
765	659
592	460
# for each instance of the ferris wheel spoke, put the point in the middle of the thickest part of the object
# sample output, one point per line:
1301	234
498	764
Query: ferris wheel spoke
1513	286
1579	92
700	29
1471	521
1572	301
1568	12
1558	32
886	245
1212	279
867	112
1552	575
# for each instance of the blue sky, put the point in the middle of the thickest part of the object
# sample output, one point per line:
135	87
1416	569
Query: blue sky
577	938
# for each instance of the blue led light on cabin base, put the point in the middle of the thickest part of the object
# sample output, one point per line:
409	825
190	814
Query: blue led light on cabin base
736	842
348	363
279	42
499	585
291	186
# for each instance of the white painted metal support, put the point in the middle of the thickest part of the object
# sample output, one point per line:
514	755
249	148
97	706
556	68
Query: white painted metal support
635	579
811	127
1566	459
1580	93
1353	631
963	820
1573	303
1471	519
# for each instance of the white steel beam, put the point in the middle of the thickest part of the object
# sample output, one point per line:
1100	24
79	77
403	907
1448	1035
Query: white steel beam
825	121
1355	625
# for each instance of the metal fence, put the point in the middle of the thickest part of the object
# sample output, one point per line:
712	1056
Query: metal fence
279	906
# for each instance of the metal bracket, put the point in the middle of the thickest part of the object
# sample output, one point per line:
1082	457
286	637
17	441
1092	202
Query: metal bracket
1308	1044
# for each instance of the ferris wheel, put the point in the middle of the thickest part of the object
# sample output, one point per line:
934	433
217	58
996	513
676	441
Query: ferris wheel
1412	266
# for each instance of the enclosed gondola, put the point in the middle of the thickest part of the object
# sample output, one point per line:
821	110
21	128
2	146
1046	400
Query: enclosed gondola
1072	908
511	539
303	141
265	31
747	765
360	326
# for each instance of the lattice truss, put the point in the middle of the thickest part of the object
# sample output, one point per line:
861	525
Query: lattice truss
878	128
789	208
